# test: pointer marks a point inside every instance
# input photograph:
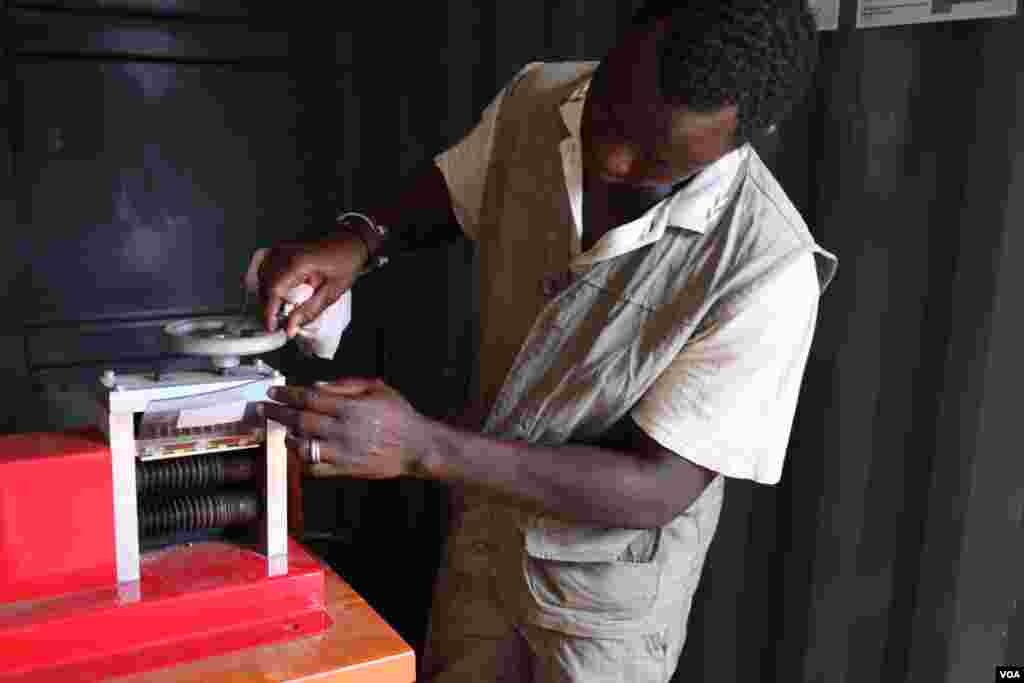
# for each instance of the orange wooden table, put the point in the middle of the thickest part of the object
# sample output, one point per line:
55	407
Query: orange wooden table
359	647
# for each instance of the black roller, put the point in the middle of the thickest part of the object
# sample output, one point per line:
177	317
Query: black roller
192	513
199	471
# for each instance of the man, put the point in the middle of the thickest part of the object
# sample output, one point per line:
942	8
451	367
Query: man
648	296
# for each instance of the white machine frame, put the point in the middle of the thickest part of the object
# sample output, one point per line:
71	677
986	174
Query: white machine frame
122	396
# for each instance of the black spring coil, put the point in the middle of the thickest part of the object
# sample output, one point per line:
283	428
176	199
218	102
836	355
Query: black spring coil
192	513
200	471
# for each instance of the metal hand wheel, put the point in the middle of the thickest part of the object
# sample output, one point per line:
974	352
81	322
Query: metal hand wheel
224	339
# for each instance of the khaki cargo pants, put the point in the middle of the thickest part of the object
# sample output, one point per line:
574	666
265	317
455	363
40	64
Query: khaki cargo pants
483	625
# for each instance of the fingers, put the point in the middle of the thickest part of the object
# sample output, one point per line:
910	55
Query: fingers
334	461
302	423
278	273
328	267
349	386
277	295
314	306
327	471
270	310
302	398
362	387
299	451
325	397
251	280
272	302
299	447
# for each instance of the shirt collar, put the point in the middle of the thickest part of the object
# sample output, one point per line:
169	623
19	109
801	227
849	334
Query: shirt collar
572	107
698	203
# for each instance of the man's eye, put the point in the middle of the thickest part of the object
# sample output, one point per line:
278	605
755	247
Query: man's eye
606	119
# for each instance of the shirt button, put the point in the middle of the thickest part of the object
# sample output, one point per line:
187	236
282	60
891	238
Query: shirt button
552	236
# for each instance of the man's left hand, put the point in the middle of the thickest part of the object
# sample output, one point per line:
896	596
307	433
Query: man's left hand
366	428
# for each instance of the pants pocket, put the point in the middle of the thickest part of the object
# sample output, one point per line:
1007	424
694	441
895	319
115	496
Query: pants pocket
619	579
643	548
620	591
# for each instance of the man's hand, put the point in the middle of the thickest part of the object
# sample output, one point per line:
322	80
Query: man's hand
329	266
367	429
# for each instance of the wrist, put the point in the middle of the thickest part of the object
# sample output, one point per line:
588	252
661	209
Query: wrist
351	240
370	233
367	228
432	457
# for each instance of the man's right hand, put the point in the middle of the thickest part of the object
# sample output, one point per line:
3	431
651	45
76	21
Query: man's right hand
329	266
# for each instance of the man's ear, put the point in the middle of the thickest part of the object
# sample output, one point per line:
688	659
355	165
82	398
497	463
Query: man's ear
758	137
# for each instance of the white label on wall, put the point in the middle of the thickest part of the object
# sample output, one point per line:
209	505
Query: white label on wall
826	12
872	13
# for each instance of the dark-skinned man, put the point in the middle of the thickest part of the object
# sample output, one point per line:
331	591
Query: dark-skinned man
648	297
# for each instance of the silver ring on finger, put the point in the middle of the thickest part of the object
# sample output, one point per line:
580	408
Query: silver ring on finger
313	451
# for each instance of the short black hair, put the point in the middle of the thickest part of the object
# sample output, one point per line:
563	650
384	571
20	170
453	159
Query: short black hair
759	56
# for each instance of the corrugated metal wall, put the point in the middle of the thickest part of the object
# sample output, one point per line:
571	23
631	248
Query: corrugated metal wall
150	147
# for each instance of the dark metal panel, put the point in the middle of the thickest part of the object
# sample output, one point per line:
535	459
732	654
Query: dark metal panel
418	106
377	82
970	562
1014	638
13	370
853	573
60	33
601	27
566	28
470	86
59	398
470	82
713	627
519	32
579	30
57	406
903	143
144	188
812	446
10	126
203	8
988	584
934	174
314	72
416	298
889	198
14	378
108	342
344	129
9	120
625	10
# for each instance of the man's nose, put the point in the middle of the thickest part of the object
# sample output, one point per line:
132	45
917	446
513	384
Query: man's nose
620	161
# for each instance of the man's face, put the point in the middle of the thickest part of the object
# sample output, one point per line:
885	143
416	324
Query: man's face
634	138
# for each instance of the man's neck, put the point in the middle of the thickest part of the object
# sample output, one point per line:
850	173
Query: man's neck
630	201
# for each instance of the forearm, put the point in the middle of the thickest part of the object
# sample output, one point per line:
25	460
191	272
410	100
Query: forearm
421	215
585	484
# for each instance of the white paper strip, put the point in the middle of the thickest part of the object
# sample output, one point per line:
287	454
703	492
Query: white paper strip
222	413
